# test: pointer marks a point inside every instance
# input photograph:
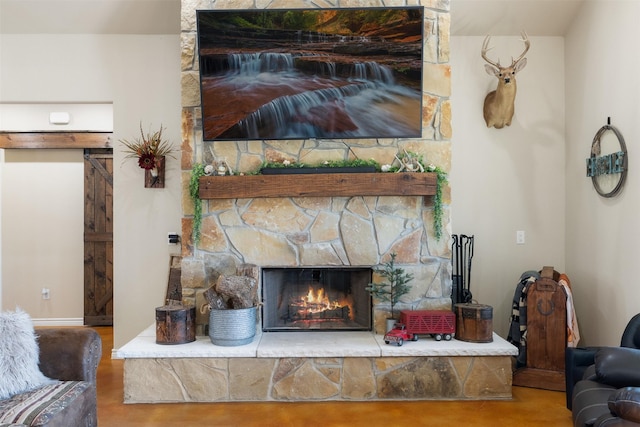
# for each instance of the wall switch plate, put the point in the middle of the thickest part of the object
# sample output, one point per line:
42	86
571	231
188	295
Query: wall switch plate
520	237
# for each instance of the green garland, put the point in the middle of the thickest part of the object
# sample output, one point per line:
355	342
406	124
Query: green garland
326	164
194	188
441	181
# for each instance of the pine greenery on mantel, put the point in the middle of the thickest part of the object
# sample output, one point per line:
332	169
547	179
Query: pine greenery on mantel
198	174
197	171
441	181
352	163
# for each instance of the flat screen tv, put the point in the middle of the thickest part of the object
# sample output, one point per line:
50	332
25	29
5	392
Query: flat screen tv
311	73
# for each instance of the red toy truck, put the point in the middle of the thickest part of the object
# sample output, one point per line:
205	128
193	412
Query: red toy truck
437	323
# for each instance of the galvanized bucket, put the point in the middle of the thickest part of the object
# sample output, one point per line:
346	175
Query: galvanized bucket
232	327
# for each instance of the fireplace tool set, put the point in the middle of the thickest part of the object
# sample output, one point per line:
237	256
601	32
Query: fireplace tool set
474	322
461	256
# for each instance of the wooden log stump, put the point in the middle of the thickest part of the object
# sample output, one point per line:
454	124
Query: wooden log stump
474	322
175	324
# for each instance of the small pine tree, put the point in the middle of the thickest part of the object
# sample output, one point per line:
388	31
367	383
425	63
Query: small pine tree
395	285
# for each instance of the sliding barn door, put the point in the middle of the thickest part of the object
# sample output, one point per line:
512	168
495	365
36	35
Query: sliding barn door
98	237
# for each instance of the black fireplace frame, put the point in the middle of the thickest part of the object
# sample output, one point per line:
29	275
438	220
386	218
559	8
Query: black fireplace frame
349	280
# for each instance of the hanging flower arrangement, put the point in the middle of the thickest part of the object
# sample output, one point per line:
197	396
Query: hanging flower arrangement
149	149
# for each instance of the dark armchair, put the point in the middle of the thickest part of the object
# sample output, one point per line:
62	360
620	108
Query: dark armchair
609	393
578	359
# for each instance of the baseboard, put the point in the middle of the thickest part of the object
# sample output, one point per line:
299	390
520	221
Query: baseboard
59	322
539	378
115	355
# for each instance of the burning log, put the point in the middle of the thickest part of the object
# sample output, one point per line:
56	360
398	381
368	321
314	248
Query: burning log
318	313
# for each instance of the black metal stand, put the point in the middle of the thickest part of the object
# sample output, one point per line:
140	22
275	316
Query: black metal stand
461	256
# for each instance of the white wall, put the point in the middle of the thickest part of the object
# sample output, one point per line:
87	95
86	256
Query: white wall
603	80
42	232
509	179
141	76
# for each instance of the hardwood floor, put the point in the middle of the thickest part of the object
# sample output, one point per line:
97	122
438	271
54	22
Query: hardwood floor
529	407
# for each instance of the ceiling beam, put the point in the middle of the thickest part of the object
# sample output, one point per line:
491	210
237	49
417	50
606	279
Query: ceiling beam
56	140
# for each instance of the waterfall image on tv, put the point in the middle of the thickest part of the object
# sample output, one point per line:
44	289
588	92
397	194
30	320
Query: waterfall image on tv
311	73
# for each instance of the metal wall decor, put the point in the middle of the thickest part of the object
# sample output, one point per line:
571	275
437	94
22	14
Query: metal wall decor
607	166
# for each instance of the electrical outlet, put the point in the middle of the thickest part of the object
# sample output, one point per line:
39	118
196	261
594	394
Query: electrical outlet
173	238
46	293
520	237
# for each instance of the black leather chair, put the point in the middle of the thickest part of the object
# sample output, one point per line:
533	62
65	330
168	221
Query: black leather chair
609	393
578	359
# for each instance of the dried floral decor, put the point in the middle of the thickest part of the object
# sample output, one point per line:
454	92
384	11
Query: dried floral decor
150	150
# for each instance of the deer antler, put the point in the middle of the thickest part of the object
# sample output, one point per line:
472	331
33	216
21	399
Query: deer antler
485	49
527	45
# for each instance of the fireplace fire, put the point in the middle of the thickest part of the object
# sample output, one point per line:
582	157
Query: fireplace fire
316	299
317	305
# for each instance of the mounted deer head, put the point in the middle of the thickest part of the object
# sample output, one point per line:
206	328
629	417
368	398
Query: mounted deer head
498	104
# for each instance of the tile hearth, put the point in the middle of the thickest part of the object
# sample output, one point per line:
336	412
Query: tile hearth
307	366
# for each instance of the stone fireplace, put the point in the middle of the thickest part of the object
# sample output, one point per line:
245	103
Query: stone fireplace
333	232
296	232
316	299
301	233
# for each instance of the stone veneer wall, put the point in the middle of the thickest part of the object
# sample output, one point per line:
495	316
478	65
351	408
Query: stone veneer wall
317	379
357	231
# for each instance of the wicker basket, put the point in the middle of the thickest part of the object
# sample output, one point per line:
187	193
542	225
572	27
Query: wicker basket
232	327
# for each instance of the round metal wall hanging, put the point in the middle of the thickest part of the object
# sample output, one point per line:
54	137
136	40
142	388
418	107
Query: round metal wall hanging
607	165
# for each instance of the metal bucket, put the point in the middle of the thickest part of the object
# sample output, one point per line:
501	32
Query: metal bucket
232	327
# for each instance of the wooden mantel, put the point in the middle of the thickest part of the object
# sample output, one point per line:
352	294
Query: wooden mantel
318	185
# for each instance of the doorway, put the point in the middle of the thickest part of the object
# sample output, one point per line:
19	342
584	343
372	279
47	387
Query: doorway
98	237
95	197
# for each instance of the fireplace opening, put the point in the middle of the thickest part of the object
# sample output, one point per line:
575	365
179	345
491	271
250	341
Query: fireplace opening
319	299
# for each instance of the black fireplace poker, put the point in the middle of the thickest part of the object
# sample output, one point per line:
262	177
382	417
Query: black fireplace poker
461	256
